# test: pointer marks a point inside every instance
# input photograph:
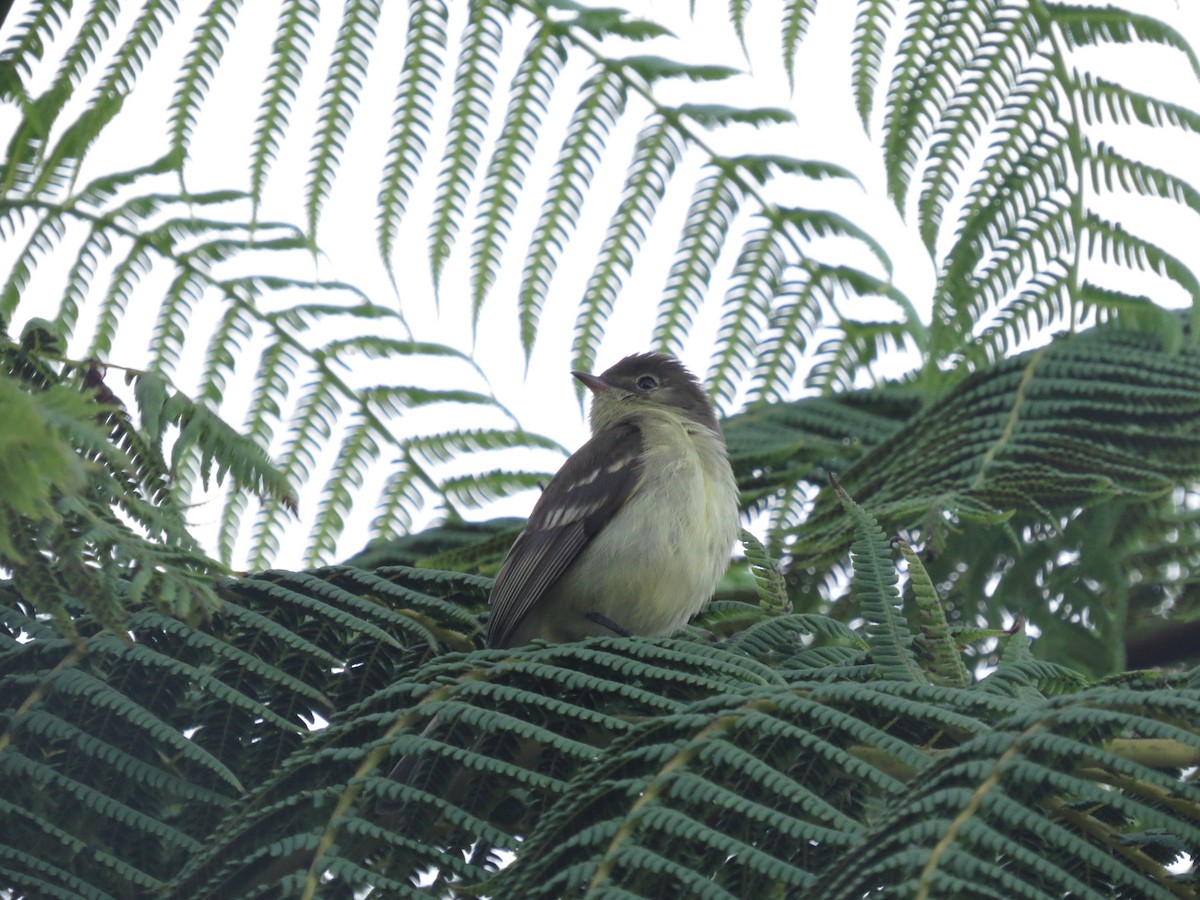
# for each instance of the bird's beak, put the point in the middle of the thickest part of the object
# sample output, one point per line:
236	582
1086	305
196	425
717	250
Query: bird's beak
594	383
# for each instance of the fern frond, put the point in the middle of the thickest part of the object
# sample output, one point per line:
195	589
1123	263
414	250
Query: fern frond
289	52
768	577
228	340
840	360
399	500
714	115
106	730
714	205
943	661
655	68
738	10
87	690
1122	104
205	435
1110	169
46	235
795	316
875	581
445	446
1113	242
79	279
763	167
923	79
817	223
126	275
541	63
654	160
29	38
1080	831
1043	299
316	411
208	45
479	489
141	38
797	15
601	104
170	328
343	82
1019	187
29	144
1088	25
1138	313
411	117
871	26
473	86
1044	232
1020	398
357	452
754	284
39	462
991	72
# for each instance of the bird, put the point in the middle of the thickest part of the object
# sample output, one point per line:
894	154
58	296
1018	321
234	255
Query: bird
635	531
630	537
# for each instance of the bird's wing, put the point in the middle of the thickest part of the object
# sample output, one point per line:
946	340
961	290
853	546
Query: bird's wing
579	501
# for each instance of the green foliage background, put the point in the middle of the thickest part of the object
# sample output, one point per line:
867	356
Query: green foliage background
852	716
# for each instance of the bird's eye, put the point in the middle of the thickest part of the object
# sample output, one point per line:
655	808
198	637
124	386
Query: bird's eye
647	383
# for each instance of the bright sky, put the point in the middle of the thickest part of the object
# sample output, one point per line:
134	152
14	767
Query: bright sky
542	398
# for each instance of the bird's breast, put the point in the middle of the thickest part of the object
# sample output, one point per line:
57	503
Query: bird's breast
661	557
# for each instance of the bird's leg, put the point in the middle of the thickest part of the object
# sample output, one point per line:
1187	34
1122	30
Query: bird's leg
605	622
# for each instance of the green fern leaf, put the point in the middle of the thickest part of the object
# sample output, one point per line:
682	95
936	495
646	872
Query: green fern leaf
768	577
347	73
358	450
1122	104
29	38
532	85
141	38
1085	25
922	71
209	42
738	10
655	68
812	224
419	77
1113	242
991	75
654	161
871	26
943	661
473	86
289	51
875	581
80	278
479	489
601	105
754	284
797	314
710	115
228	340
126	275
840	360
1111	170
797	15
48	233
714	205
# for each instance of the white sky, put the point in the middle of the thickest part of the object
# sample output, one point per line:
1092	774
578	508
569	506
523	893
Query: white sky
543	398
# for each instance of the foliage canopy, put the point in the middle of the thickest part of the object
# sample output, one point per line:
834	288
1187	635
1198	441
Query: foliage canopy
863	717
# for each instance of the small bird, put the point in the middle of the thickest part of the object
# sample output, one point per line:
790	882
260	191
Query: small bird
635	531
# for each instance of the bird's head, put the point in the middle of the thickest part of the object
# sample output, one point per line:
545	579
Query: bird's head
647	381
